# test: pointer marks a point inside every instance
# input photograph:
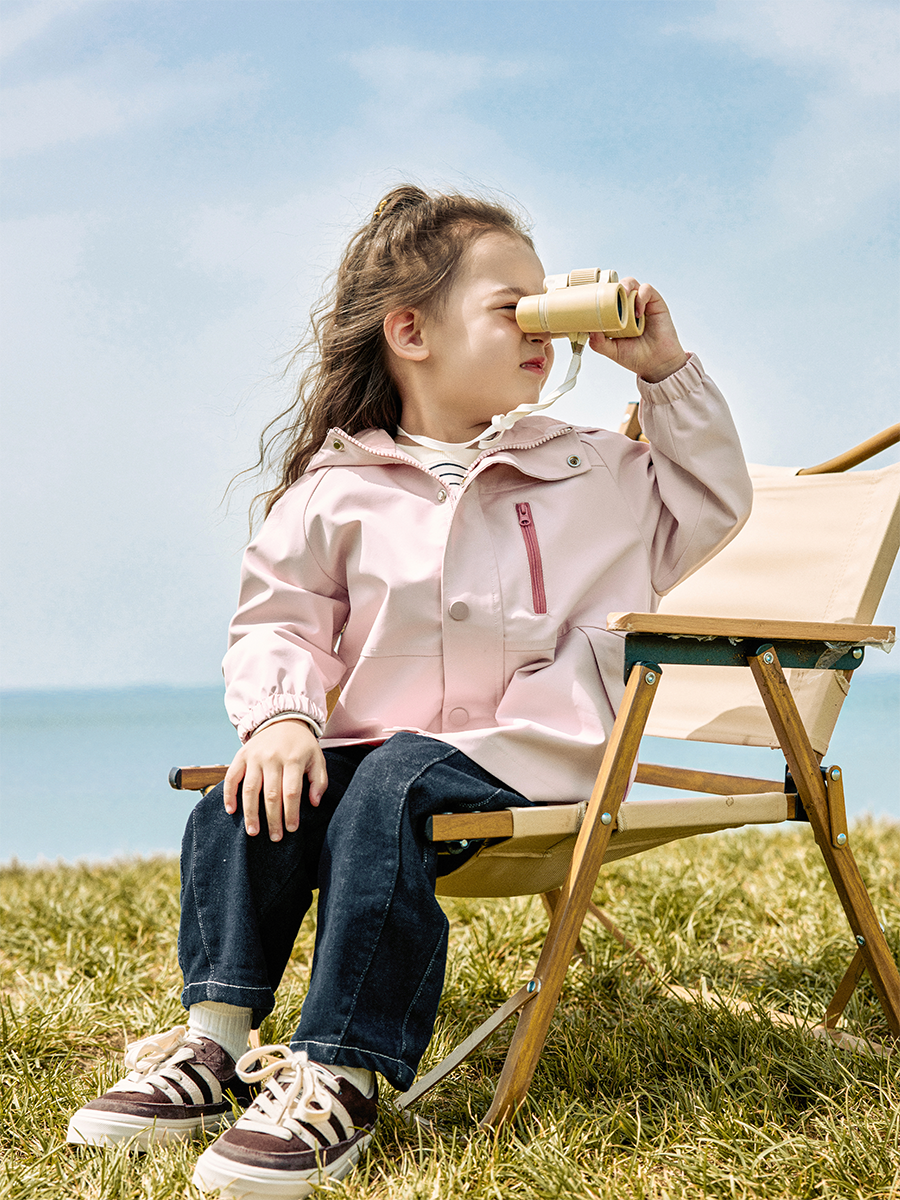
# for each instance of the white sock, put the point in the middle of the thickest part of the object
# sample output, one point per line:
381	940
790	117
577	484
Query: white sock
362	1080
227	1024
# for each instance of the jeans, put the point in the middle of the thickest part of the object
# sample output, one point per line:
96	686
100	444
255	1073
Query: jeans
381	941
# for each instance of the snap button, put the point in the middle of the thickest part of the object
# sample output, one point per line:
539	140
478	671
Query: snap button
458	610
458	716
441	497
337	445
573	460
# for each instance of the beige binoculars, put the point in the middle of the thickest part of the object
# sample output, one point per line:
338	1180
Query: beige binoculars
586	301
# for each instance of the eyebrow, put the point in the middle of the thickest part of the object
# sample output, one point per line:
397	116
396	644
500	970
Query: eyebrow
509	291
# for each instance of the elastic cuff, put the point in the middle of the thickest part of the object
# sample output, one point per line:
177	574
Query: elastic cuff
675	386
290	716
276	704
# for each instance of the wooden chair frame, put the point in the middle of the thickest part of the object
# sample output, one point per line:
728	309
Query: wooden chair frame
649	644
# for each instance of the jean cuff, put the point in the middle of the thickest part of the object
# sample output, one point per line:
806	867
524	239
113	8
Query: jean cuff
261	1000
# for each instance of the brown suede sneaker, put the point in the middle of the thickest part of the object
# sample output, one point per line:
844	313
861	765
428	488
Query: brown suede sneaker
307	1124
175	1088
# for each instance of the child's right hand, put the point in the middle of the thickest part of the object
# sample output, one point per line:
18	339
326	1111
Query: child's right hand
274	762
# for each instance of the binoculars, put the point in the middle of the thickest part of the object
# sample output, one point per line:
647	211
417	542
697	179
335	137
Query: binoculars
586	301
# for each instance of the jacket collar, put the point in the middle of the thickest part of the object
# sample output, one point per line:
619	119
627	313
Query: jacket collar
537	446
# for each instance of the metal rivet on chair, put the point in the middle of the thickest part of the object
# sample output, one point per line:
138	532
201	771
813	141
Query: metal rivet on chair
857	653
573	460
835	772
605	818
860	940
650	677
841	839
768	658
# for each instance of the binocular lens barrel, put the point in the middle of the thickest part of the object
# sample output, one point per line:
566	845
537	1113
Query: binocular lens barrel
585	308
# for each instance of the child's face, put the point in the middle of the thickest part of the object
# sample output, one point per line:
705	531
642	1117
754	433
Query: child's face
480	362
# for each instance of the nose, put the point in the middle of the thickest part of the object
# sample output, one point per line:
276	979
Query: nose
538	338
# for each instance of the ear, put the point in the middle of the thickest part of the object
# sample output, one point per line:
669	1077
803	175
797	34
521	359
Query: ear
403	333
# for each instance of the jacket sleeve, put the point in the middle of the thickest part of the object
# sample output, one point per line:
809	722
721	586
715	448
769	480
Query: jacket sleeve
695	492
281	655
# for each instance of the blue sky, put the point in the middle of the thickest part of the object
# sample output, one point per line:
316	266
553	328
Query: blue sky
179	177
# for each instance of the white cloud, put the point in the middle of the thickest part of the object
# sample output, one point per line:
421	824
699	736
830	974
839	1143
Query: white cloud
842	151
23	23
857	42
426	78
125	87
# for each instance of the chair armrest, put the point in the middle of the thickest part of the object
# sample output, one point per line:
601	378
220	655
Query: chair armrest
670	624
195	779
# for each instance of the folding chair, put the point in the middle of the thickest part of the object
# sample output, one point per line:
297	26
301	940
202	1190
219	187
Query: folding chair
778	622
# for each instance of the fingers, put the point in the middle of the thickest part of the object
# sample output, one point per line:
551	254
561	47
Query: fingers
233	779
273	802
318	778
657	353
292	793
250	794
271	768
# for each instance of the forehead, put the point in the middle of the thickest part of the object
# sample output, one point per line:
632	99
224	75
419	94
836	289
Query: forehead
501	261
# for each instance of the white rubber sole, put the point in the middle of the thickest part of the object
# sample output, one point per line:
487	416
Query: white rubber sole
241	1182
90	1127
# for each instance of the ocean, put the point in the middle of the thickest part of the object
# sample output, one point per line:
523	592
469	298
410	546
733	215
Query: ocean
83	774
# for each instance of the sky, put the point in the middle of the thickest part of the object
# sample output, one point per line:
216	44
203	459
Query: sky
179	177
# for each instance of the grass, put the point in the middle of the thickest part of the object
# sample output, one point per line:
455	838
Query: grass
636	1095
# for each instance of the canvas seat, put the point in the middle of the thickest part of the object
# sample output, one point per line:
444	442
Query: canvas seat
757	648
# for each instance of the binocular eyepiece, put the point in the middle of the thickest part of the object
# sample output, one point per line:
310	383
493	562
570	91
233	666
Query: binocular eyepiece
586	301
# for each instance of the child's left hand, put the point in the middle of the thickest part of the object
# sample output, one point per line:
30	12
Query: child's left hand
657	353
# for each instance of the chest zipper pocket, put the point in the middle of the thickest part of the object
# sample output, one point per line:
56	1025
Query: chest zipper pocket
535	567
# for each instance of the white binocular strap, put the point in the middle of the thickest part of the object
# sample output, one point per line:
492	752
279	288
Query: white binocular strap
504	421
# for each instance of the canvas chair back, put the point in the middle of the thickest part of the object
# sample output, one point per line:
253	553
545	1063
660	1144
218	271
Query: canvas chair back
816	548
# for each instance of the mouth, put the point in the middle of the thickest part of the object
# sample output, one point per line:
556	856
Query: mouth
535	365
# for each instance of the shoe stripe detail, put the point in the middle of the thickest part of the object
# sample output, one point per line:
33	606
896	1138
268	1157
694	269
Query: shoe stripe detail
204	1081
342	1131
173	1092
344	1121
314	1136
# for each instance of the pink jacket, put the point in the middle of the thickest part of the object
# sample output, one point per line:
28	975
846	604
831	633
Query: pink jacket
479	619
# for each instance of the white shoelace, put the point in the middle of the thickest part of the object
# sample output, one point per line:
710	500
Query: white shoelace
152	1062
297	1090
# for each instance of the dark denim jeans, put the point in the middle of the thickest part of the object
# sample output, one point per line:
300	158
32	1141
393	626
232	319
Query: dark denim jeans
381	941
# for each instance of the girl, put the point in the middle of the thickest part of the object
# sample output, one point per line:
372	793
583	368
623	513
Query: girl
455	583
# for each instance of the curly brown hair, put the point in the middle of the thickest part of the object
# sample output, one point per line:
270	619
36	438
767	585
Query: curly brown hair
406	256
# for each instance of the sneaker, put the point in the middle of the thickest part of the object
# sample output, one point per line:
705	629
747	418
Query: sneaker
175	1088
307	1124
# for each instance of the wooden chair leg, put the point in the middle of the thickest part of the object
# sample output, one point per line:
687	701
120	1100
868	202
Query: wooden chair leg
551	899
575	894
851	890
845	990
